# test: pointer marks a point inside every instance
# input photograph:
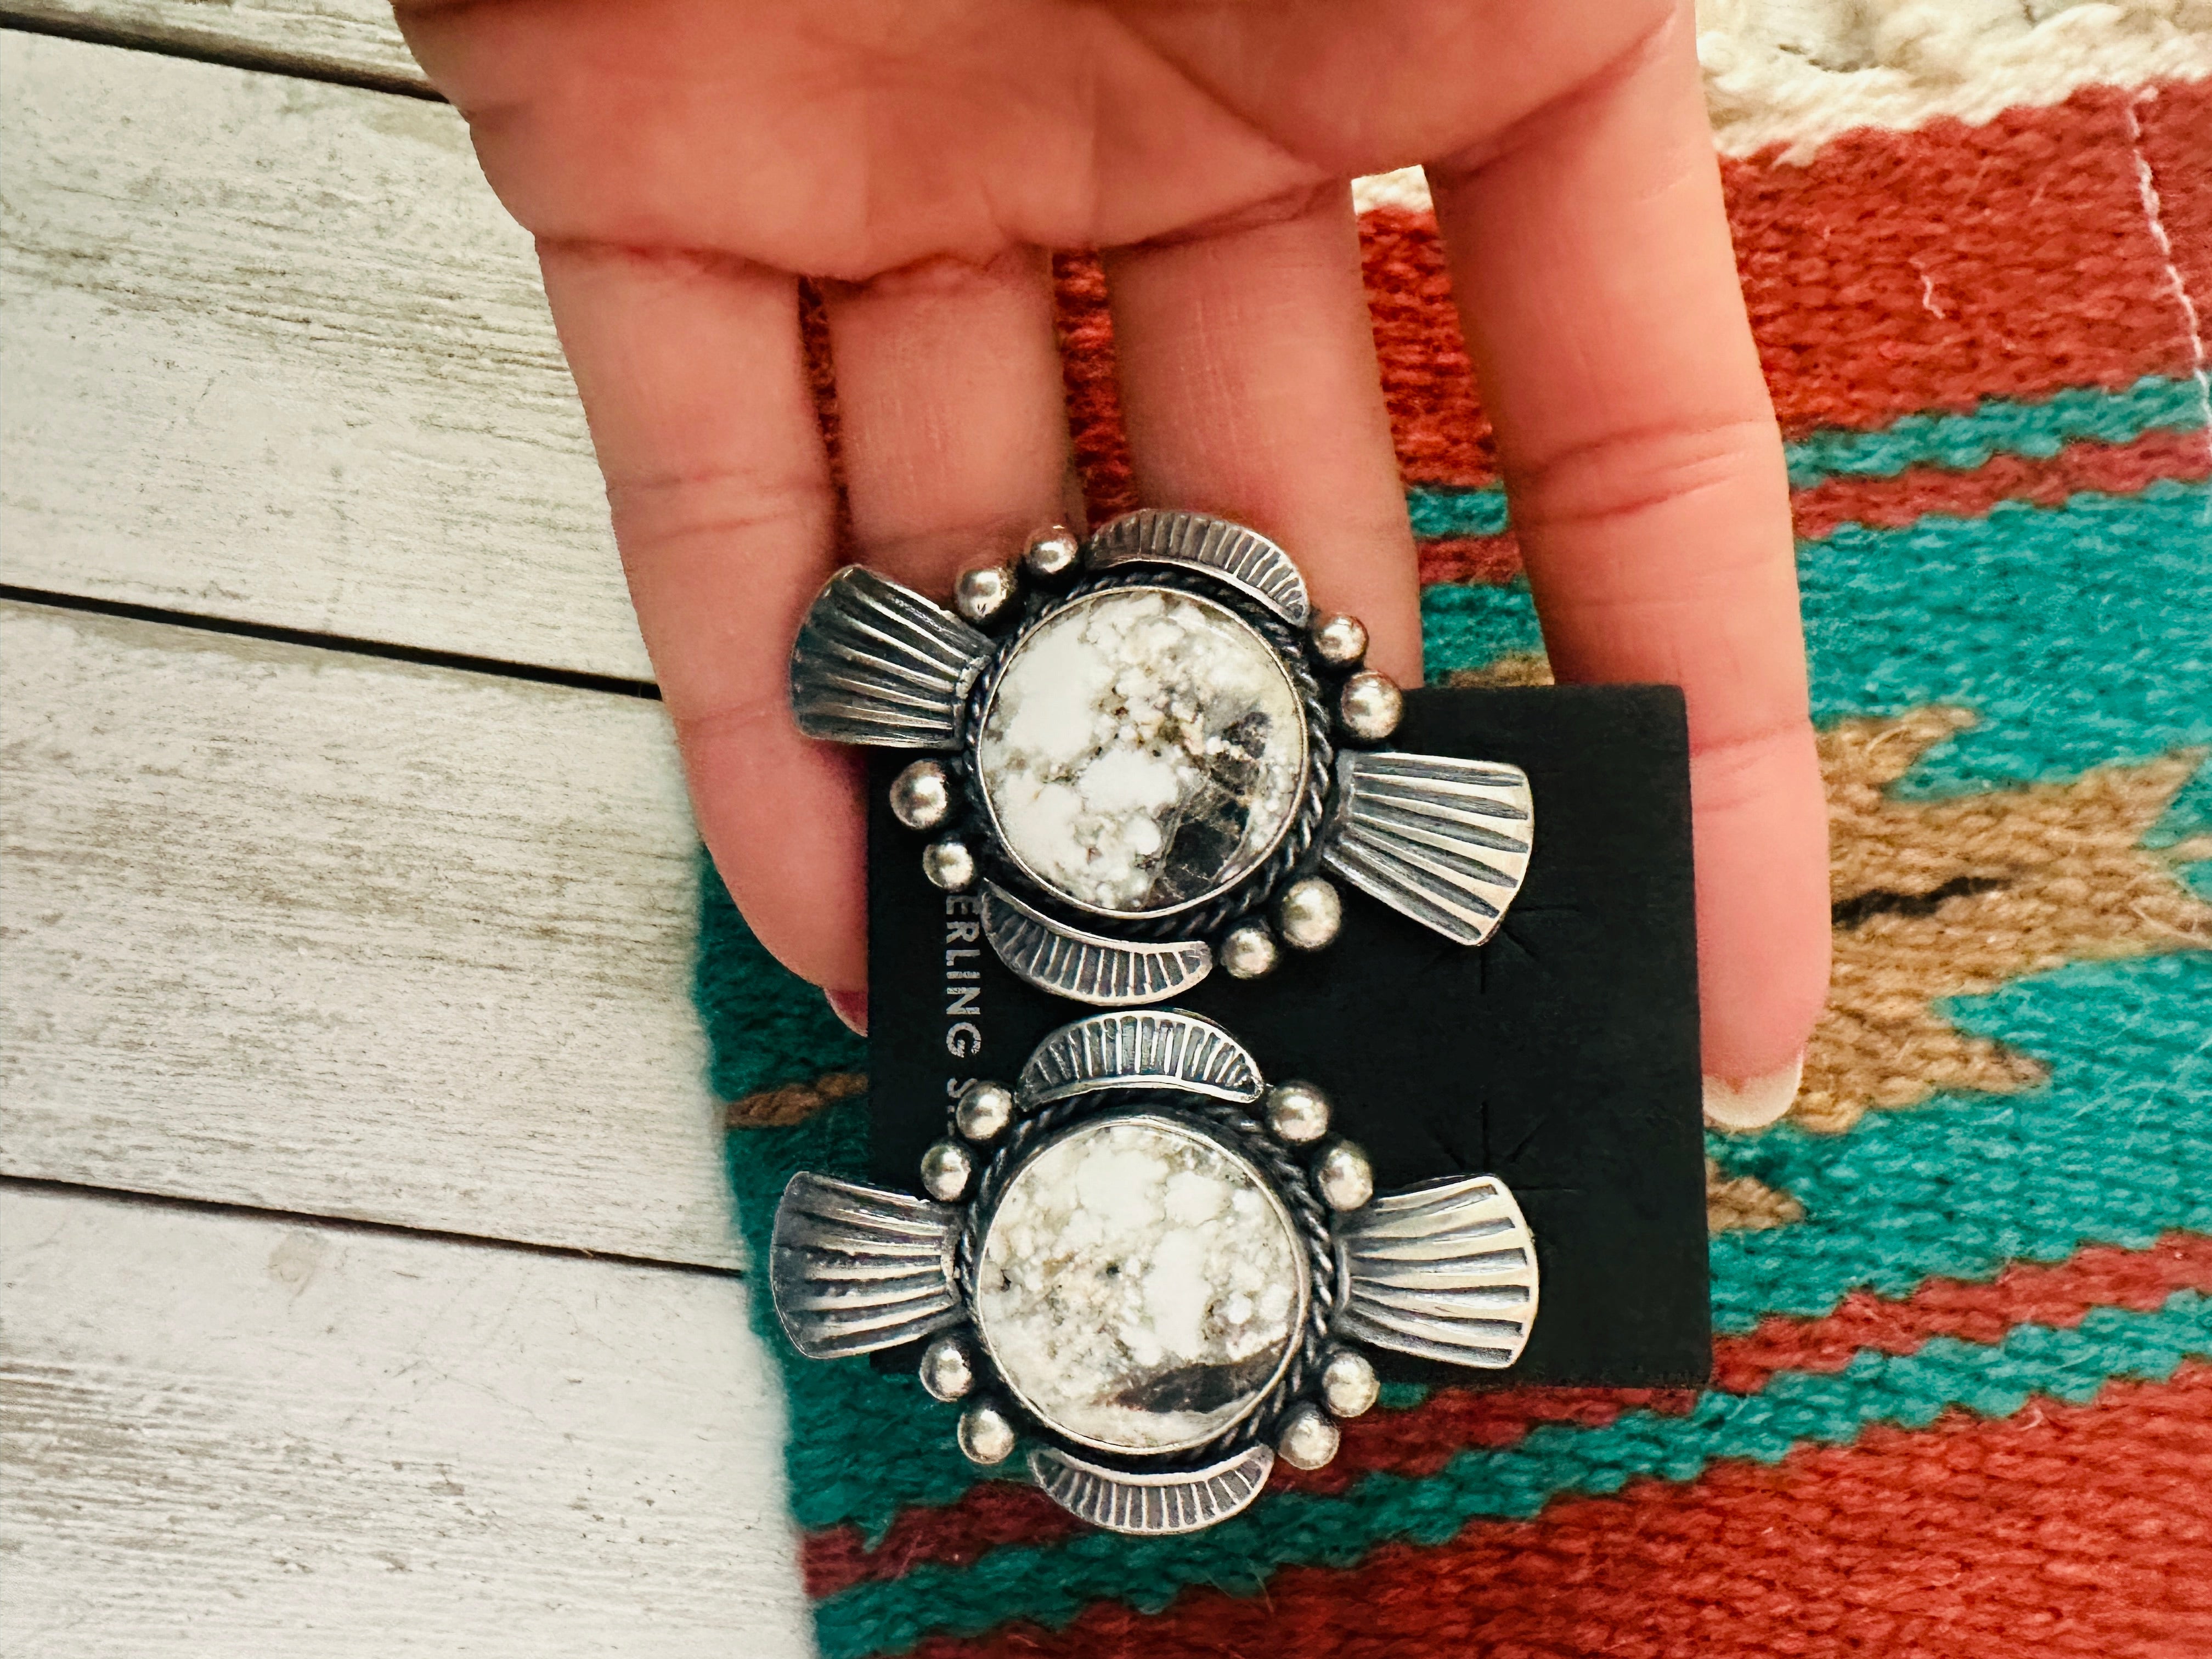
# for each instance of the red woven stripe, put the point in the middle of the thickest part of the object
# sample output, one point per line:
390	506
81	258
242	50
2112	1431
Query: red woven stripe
1490	559
1418	1442
2063	1530
1896	272
2113	469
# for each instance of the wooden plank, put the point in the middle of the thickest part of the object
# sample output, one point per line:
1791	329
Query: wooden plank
318	931
354	39
232	1435
277	354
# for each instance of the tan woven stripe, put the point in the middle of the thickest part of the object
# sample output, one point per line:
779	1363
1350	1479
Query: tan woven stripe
795	1103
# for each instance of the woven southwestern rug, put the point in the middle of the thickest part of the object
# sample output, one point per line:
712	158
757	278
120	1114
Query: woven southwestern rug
1963	1402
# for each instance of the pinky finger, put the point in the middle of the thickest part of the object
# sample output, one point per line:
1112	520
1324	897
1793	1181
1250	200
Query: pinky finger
695	385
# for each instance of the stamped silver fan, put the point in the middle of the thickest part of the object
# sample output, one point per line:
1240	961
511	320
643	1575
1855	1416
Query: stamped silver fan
1152	751
1156	1267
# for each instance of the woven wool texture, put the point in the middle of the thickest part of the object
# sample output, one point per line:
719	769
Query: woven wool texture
1962	1403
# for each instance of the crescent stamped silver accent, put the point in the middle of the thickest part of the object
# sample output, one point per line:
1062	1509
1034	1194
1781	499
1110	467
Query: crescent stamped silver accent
1445	1270
876	663
1243	558
855	1268
1116	1051
1084	967
1154	1505
1442	840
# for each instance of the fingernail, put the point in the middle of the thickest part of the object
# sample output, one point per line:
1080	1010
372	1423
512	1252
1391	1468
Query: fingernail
1756	1102
852	1007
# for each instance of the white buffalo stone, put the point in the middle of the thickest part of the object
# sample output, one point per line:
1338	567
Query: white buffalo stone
1142	749
1139	1288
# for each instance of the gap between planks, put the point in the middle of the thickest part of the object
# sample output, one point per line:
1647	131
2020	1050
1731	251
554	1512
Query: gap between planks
315	933
232	1434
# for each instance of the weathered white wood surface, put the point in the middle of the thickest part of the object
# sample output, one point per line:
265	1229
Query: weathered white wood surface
318	932
234	1436
315	37
276	354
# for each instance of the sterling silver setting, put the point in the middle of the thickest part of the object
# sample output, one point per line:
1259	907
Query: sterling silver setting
1156	1268
1149	757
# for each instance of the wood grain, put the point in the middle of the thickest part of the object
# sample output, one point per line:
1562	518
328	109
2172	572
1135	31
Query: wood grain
317	932
277	354
353	39
231	1435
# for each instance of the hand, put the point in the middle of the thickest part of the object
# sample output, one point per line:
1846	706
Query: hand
682	161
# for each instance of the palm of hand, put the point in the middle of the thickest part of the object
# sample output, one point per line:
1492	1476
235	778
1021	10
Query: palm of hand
849	140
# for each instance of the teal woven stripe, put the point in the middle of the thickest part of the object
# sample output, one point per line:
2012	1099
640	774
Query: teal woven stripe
2000	426
2116	1149
2081	635
1955	443
1052	1585
1457	511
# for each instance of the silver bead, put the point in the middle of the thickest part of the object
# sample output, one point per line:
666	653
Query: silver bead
946	1370
1052	553
986	1437
1340	641
1344	1177
1347	1383
1370	706
984	1111
950	865
1249	951
945	1169
1308	1439
921	796
982	596
1297	1113
1309	913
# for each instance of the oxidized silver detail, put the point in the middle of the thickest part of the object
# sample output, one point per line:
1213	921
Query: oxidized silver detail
984	1111
1052	553
949	864
1309	913
1298	1113
854	1268
1152	1504
1340	641
1115	1051
1348	1387
986	1437
922	795
982	596
1087	967
877	663
946	1170
1249	951
1343	1176
1446	1270
1243	558
1370	706
1445	842
1309	1440
948	1370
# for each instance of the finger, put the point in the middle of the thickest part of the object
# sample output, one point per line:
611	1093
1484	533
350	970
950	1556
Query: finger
952	415
1590	257
694	384
1249	390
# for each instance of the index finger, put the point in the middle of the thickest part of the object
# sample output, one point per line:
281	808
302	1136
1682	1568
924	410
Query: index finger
1591	262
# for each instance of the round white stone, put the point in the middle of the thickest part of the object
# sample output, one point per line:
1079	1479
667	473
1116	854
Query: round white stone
1142	750
1140	1287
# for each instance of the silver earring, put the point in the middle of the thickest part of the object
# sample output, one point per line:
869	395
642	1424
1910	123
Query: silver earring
1158	760
1154	1266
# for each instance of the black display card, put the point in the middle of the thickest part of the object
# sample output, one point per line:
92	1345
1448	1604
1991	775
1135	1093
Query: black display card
1562	1056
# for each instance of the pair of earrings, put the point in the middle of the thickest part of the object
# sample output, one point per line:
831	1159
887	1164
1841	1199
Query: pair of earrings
1147	757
